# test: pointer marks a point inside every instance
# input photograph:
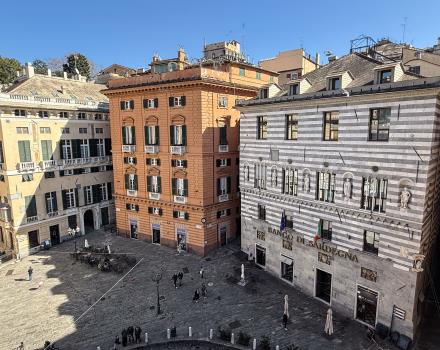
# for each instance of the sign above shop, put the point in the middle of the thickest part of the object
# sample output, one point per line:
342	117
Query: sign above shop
328	249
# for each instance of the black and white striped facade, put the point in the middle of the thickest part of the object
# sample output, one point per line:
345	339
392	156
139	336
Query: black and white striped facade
409	159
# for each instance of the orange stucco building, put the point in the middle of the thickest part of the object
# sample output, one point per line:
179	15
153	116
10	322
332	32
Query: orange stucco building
175	150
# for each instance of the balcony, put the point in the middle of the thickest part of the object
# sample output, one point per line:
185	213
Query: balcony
48	164
26	166
84	161
223	148
178	150
151	149
223	197
180	199
52	214
154	195
31	219
132	193
129	148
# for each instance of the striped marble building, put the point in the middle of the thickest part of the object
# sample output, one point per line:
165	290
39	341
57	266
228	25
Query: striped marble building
339	185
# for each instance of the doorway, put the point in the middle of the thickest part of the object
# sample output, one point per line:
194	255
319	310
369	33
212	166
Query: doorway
155	228
366	305
33	239
54	234
88	221
104	216
133	229
323	285
222	232
181	238
260	253
286	268
238	227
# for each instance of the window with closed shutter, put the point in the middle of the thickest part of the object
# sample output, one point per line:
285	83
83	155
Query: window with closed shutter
46	149
24	150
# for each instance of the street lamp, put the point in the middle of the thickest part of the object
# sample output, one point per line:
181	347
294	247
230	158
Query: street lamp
156	278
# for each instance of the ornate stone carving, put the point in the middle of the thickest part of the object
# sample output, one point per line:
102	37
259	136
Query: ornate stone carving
368	274
347	188
324	258
405	195
261	235
306	182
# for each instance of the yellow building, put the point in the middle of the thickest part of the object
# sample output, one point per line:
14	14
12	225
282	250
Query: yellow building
55	161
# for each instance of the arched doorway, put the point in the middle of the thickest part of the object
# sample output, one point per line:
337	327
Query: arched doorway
88	221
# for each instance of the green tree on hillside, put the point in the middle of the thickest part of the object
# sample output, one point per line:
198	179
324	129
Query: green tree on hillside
80	62
40	66
8	70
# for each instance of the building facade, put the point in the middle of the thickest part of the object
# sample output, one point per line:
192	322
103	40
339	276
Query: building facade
56	166
175	151
339	187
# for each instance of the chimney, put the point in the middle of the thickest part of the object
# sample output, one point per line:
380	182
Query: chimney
29	69
332	58
317	59
49	72
181	55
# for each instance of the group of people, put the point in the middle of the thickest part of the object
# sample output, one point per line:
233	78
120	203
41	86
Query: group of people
177	280
177	277
131	335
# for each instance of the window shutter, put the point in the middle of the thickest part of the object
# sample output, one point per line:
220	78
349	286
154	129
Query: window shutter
96	193
228	161
147	134
175	215
148	161
150	210
85	194
158	162
64	195
76	197
160	211
159	184
125	160
62	142
76	148
185	187
145	103
93	147
136	207
46	197
173	163
109	190
127	206
217	162
228	211
219	213
124	135
61	173
136	182
133	135
172	140
228	181
174	186
122	105
78	171
185	163
157	134
131	104
171	101
156	102
183	100
55	201
218	187
183	135
127	181
186	216
108	147
148	183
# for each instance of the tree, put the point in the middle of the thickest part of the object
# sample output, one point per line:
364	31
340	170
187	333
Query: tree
55	64
40	66
8	70
80	62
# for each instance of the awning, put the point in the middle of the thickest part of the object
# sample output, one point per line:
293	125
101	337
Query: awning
286	260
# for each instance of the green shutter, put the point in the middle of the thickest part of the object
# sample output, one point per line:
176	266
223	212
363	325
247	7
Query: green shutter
183	135
147	134
124	135
174	186
136	182
127	181
148	183
185	187
133	135
46	149
159	184
172	140
157	134
24	150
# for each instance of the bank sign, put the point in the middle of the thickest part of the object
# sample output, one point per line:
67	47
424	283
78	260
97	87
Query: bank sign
319	245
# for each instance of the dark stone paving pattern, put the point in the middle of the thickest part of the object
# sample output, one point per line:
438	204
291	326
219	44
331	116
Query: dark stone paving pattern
68	288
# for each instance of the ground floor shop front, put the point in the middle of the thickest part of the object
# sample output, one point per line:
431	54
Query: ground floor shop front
360	285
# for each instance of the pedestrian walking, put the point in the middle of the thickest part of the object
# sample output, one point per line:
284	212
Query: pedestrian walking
285	319
202	271
117	342
21	346
196	296
174	278
124	337
204	291
30	272
180	276
137	334
130	332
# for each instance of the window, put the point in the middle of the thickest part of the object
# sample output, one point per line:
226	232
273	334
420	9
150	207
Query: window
131	182
331	125
154	184
242	72
151	134
223	162
127	105
20	113
374	194
371	242
46	149
83	130
64	115
178	135
33	239
258	75
104	191
156	161
51	202
180	187
271	79
415	69
22	130
379	124
325	229
289	220
261	128
262	212
260	176
86	171
222	213
31	206
66	149
223	135
293	89
291	127
27	177
88	194
325	188
178	214
131	206
44	130
155	210
100	148
49	174
99	130
24	150
65	130
223	185
69	198
98	116
151	103
82	115
84	148
287	269
128	135
130	160
177	101
223	101
334	83
179	163
385	76
264	93
290	184
43	114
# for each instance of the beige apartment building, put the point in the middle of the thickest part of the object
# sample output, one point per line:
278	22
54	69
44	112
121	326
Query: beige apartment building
55	161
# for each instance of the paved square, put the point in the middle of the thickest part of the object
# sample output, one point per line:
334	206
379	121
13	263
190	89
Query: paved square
33	313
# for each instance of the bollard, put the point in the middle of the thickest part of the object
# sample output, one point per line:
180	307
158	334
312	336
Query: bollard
146	337
168	333
98	348
277	347
232	338
254	344
211	333
190	332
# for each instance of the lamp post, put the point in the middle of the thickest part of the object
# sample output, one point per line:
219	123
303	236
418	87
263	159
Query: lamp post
156	278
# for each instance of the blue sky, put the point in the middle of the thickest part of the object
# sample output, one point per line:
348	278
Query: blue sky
129	32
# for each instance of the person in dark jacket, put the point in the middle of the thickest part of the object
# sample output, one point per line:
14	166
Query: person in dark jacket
174	278
180	276
137	334
124	337
196	296
130	332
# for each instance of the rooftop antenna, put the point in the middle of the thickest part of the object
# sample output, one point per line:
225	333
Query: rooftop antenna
405	20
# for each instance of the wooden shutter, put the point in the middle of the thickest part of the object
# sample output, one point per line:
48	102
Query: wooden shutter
173	163
55	201
186	216
228	211
217	162
159	184
93	147
62	142
150	210
109	190
136	207
122	105
64	198
228	162
171	101
148	161
185	163
174	186
31	206
219	213
136	182
219	192
24	151
149	180
175	214
228	181
172	140
183	100
147	134
108	147
185	187
133	135
160	211
156	103
46	149
127	181
96	193
131	104
76	197
156	134
76	148
145	103
124	135
183	135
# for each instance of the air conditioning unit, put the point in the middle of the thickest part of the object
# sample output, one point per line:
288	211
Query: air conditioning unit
223	148
180	199
156	211
154	195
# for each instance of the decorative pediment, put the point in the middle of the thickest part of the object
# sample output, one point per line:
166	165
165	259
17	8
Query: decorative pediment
131	169
223	120
151	120
154	171
179	173
178	120
128	121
